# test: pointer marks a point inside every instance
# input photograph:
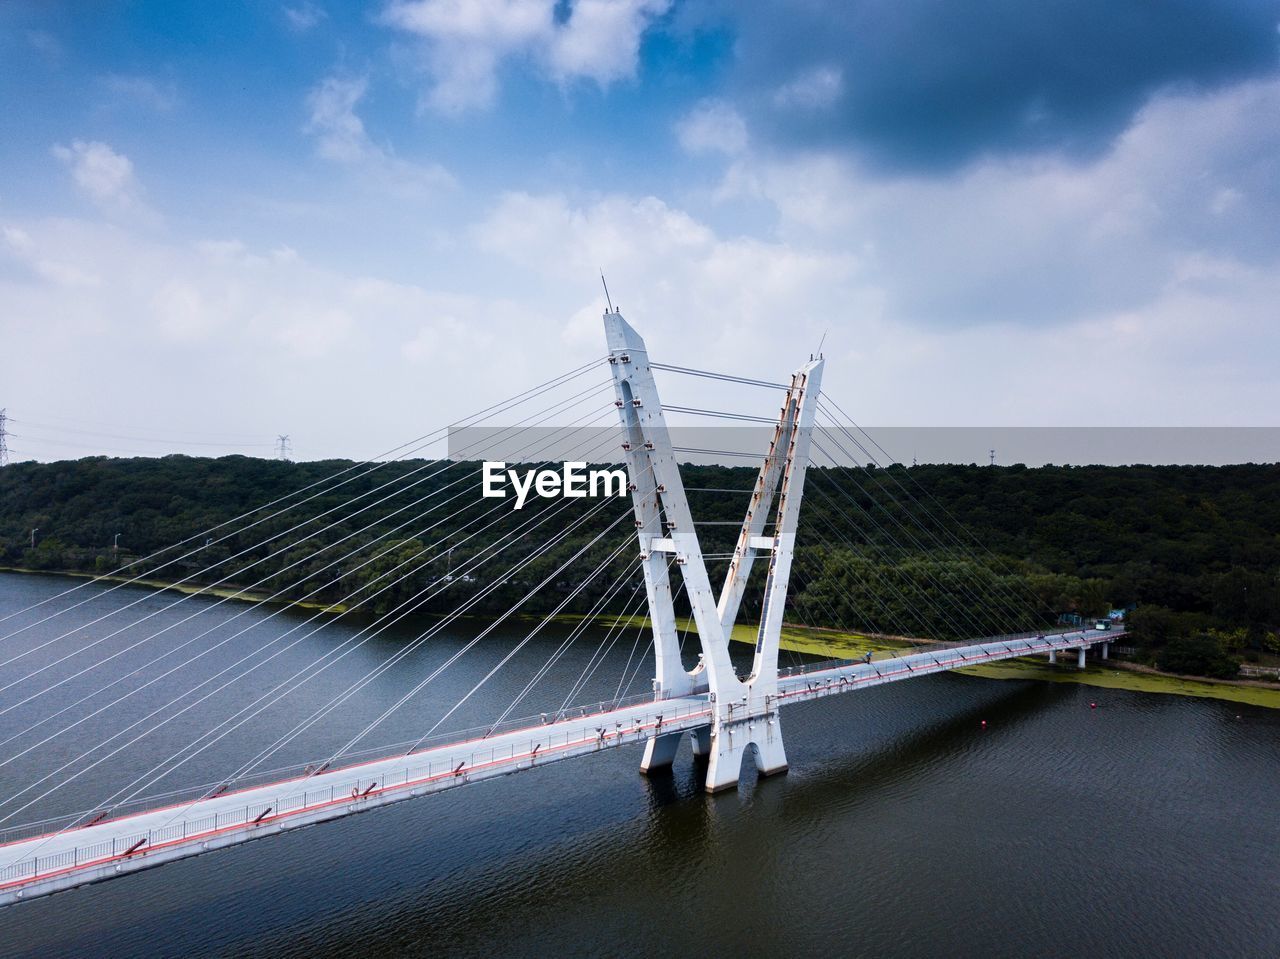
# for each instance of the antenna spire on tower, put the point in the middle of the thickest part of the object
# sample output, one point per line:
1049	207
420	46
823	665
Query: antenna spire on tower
606	291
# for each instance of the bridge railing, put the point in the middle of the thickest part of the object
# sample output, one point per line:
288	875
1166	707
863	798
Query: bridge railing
184	795
1098	635
451	765
264	777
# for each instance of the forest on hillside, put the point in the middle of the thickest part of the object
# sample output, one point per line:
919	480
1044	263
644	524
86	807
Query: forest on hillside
939	551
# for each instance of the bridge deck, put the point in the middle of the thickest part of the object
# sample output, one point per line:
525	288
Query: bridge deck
47	863
809	684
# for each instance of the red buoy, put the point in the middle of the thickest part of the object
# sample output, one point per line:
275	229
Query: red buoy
984	724
1093	705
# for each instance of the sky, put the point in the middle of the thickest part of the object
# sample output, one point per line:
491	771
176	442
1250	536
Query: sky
353	223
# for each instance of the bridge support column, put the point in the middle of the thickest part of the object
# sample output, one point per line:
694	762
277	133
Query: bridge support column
660	752
666	531
1080	661
1106	648
700	739
728	750
1053	656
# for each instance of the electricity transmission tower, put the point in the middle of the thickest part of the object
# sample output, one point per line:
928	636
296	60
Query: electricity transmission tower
4	440
283	448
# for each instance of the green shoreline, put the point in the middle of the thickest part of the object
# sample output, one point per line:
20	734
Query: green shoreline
219	592
836	644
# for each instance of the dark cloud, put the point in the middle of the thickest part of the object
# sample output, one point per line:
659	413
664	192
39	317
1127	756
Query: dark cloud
930	84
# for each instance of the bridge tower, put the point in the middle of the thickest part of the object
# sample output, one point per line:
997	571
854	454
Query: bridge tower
744	709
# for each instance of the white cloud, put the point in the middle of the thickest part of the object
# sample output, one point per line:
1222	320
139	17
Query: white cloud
339	131
814	89
968	299
341	136
1139	287
713	126
466	39
155	95
1225	200
466	42
183	311
104	175
17	240
22	249
446	339
234	337
1044	240
732	297
304	16
224	336
46	45
315	332
601	39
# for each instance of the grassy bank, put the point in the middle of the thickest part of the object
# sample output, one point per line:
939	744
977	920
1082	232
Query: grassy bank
218	592
1118	675
834	644
1112	675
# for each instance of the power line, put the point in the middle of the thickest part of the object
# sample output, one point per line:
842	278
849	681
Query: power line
134	437
81	424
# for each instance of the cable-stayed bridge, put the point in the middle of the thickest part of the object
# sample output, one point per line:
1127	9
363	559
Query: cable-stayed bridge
386	542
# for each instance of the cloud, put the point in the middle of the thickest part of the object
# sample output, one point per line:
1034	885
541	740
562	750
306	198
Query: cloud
1044	240
758	307
201	334
304	16
341	137
141	91
933	86
47	46
339	131
446	339
165	317
814	88
713	127
955	298
102	174
1134	282
713	295
22	249
466	42
600	40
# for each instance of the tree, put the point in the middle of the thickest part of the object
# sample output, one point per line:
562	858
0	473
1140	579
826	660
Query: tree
1199	655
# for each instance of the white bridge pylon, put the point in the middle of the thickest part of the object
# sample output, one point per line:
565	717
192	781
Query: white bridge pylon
744	711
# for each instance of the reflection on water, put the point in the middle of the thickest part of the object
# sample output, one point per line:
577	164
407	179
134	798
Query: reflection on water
1145	827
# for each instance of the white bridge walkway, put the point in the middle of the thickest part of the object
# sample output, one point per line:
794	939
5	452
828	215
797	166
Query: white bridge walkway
47	863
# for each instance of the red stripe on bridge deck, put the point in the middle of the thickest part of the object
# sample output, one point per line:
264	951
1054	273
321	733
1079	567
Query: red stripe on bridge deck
937	667
214	833
409	784
282	782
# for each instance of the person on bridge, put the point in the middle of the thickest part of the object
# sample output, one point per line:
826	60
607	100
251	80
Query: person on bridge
867	658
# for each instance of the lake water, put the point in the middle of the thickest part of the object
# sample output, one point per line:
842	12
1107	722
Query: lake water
1149	826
